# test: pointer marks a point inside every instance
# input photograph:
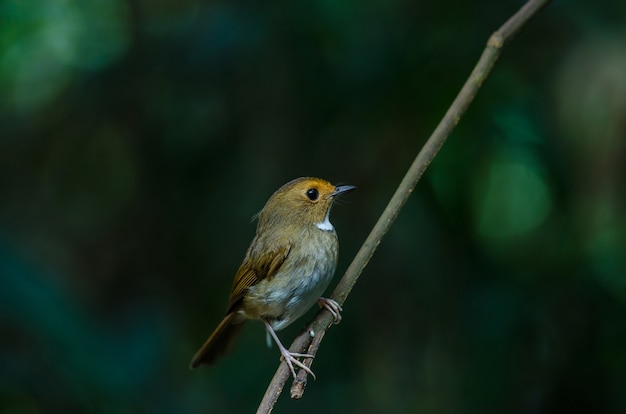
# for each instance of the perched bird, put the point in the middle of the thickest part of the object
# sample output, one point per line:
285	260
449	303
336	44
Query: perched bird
288	265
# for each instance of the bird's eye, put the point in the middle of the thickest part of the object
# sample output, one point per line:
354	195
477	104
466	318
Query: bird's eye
312	194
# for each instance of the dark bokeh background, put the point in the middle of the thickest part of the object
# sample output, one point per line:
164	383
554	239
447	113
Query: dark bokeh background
138	137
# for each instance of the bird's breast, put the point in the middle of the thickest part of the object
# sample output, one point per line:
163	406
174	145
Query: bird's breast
301	280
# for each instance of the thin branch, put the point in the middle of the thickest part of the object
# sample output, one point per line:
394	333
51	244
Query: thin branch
309	341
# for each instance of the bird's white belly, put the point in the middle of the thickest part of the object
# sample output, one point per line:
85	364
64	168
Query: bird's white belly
300	294
291	294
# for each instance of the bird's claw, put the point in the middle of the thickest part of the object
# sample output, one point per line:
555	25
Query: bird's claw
331	306
291	358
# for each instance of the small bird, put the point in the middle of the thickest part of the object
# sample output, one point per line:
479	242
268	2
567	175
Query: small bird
288	265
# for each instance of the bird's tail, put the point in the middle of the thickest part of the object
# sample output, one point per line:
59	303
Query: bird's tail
219	343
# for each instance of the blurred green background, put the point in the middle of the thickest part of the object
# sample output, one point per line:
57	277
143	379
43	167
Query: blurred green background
138	138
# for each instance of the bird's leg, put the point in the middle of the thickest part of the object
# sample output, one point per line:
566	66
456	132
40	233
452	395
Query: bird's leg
289	357
332	307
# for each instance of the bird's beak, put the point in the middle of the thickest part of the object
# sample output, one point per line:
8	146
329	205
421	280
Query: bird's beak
341	189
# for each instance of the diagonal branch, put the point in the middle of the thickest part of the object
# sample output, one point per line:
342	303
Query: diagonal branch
309	341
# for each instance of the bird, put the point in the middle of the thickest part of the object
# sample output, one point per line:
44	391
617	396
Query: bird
289	264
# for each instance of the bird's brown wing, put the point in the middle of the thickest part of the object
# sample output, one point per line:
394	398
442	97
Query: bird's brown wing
255	269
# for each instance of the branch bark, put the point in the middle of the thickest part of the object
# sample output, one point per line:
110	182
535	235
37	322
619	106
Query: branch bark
311	337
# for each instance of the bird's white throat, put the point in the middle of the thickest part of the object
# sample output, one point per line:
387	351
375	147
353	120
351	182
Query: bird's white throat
325	225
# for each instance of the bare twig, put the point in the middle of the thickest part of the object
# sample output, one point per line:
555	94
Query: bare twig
309	341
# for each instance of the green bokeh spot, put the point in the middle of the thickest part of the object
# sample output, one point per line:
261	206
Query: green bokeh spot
511	197
46	44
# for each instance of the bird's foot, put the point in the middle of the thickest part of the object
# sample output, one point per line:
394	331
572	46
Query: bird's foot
291	359
332	307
